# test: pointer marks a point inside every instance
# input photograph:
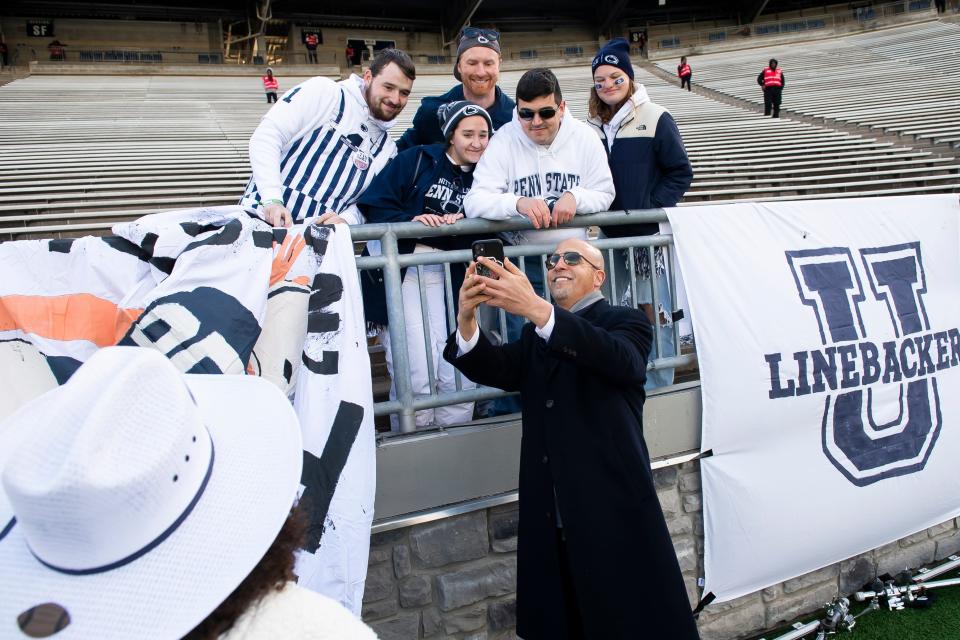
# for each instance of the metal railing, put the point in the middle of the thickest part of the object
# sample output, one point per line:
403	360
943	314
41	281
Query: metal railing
391	261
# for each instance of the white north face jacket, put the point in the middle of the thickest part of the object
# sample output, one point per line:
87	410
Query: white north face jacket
513	167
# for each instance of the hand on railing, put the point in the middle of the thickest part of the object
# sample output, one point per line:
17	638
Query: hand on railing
564	209
436	220
537	210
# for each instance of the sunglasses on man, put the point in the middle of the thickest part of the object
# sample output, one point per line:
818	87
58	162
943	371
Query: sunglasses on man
572	258
545	113
473	32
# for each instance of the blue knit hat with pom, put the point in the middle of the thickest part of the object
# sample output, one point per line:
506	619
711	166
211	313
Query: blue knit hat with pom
615	53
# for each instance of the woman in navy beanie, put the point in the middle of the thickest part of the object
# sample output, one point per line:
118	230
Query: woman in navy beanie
650	169
426	184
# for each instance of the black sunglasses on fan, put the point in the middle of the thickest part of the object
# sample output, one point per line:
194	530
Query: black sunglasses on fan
572	258
545	113
473	32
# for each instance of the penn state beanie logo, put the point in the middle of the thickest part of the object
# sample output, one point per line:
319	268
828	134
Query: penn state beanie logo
615	53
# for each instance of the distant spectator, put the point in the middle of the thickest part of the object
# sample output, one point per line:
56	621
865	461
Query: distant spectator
427	184
348	54
685	73
773	82
57	52
4	56
941	6
311	42
270	86
478	69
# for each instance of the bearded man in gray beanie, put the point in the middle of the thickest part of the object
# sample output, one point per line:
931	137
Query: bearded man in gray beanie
478	69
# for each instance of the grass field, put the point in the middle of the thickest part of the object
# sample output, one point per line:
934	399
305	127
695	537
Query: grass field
941	621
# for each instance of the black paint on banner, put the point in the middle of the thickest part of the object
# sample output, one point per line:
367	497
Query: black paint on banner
320	475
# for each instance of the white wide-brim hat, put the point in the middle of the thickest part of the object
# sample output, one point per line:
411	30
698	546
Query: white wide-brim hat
136	498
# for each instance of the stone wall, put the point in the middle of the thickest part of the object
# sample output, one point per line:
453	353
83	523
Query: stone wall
452	578
456	578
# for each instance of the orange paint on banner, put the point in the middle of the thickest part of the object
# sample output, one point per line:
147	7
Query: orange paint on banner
287	254
78	316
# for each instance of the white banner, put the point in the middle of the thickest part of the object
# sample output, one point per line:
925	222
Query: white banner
217	292
827	336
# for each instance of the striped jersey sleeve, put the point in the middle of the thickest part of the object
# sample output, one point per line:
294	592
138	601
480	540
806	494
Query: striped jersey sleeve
317	156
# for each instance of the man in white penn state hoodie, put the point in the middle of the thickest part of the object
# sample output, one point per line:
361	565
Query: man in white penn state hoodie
544	164
547	166
319	147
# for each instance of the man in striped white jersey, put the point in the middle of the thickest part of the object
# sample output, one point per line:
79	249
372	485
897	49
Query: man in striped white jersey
320	146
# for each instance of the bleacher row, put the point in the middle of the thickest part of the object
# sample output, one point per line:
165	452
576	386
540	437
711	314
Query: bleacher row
80	153
900	80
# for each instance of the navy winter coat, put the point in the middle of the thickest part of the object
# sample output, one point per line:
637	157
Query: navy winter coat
426	126
648	161
583	451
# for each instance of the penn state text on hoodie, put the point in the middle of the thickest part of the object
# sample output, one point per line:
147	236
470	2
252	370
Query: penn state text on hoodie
514	167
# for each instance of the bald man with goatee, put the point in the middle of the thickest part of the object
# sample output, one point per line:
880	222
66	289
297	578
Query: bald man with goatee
594	554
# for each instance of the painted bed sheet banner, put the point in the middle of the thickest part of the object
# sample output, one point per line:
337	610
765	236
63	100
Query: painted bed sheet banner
218	292
827	336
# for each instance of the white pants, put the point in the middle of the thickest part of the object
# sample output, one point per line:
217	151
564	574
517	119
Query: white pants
443	372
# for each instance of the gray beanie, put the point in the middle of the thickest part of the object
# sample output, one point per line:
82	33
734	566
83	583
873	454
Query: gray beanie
452	113
473	37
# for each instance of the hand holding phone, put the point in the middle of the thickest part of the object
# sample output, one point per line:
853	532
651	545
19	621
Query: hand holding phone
492	249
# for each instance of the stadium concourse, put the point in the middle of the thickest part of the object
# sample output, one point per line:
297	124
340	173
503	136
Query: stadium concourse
82	152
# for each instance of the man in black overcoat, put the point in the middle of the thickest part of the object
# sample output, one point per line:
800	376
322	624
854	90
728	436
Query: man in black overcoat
595	559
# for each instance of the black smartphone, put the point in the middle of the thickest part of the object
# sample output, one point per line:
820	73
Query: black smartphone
492	249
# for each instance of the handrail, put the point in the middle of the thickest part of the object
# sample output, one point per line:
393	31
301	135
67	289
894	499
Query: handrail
517	223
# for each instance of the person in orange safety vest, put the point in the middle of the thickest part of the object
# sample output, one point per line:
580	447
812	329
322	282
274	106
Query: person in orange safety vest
772	81
311	41
270	86
684	72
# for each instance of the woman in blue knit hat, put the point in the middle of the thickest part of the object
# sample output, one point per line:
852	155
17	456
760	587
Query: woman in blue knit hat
650	170
426	184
